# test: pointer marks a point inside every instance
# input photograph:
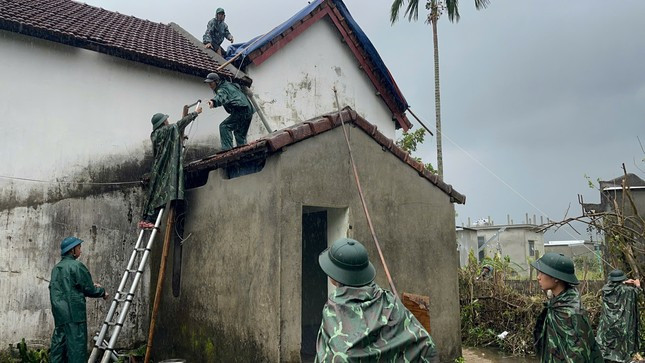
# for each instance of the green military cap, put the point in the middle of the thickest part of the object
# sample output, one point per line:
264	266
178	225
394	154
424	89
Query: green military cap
157	120
219	11
347	262
557	266
617	276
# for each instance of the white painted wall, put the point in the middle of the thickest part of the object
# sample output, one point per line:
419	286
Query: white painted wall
296	82
68	113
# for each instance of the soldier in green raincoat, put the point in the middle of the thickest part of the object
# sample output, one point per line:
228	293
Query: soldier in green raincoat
618	334
562	332
216	31
167	175
361	321
235	102
69	285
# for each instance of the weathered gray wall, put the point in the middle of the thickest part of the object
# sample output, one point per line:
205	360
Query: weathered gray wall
241	288
30	244
514	243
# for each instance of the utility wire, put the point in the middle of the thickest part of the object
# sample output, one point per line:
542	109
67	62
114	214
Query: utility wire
66	182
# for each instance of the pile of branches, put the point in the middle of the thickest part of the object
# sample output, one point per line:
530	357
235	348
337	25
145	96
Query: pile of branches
490	307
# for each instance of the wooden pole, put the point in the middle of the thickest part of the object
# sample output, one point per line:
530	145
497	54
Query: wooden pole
162	274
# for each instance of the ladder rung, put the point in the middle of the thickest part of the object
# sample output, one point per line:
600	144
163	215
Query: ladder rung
114	324
142	249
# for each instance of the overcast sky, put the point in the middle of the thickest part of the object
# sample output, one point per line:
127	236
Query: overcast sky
535	94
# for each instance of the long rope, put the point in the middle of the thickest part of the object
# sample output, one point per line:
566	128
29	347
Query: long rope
362	197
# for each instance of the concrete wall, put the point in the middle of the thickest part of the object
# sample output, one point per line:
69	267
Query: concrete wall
466	242
30	245
296	83
514	242
241	287
75	115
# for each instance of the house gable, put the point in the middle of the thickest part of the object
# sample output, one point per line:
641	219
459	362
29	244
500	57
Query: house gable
259	49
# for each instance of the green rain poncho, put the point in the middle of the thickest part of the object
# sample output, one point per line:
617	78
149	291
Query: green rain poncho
369	324
167	175
618	328
563	333
70	283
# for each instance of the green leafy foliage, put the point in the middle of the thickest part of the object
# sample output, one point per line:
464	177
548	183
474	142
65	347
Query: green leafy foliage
494	305
409	143
23	354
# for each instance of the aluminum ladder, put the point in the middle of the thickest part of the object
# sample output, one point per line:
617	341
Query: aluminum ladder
124	297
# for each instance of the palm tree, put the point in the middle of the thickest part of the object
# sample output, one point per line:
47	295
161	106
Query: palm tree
436	8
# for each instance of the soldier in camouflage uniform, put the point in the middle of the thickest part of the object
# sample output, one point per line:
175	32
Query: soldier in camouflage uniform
562	332
618	334
230	96
362	322
167	175
216	31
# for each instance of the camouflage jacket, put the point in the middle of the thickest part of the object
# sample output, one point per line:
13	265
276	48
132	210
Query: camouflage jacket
368	324
563	333
216	32
167	175
618	328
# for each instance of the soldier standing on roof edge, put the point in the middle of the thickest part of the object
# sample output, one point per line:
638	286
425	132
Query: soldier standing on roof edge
618	333
216	31
69	285
562	332
361	321
167	174
230	96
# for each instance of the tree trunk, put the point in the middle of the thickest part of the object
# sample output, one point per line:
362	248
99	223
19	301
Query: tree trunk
434	17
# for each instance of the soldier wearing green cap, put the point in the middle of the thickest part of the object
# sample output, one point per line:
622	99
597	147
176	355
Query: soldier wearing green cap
69	285
167	174
216	31
230	96
618	333
361	321
562	332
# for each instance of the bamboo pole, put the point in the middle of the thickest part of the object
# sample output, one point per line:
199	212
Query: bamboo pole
162	274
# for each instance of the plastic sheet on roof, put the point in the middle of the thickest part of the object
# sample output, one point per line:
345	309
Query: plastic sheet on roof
254	44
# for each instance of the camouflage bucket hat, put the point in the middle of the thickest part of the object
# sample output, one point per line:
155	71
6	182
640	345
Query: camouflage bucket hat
219	11
557	266
617	276
347	262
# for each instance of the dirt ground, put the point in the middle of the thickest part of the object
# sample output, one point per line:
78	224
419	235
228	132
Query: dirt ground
474	357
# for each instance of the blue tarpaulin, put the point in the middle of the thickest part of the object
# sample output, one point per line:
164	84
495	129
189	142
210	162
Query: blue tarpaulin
380	69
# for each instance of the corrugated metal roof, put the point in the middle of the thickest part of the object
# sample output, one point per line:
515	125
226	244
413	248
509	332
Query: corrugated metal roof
89	27
277	140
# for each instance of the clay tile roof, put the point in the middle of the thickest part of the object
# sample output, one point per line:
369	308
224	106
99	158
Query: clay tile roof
124	36
277	140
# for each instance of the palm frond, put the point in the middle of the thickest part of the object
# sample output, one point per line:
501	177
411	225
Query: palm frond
453	10
411	11
481	4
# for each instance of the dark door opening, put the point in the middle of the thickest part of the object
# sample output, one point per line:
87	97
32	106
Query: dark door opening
314	280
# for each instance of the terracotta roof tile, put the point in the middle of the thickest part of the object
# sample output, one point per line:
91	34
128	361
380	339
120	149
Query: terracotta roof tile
97	29
277	140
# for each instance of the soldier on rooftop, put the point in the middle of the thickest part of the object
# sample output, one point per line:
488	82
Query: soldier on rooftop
216	31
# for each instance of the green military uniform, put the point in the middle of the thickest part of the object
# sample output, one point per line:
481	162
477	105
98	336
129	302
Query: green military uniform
563	333
216	32
70	283
167	175
618	334
369	324
361	322
235	102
